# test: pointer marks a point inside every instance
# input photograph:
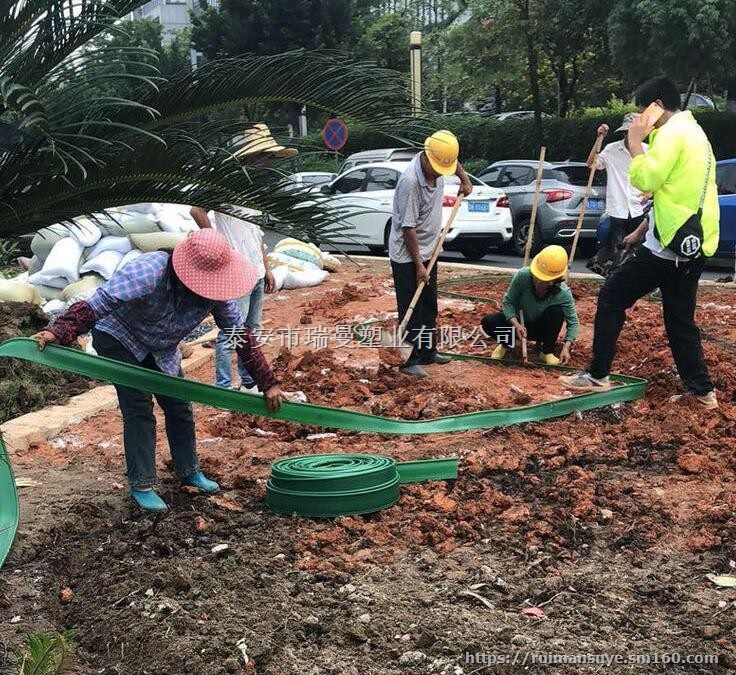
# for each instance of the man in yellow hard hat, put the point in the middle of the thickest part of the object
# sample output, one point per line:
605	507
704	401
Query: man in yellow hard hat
540	292
416	223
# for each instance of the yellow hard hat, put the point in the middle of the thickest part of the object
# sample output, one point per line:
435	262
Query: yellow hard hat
550	263
442	150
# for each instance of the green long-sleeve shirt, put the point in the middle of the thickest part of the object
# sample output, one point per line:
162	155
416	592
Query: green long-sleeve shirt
520	296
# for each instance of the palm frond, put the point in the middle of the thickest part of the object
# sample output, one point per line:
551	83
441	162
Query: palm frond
38	35
321	80
88	128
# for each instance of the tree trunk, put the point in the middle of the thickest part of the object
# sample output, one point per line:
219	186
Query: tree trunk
561	76
533	65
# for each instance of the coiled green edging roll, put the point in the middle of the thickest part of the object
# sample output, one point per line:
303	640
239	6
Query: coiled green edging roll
333	485
326	486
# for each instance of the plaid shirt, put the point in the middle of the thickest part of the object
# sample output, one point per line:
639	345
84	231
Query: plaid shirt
139	307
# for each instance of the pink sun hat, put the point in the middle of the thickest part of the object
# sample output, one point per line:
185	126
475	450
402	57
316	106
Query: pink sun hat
207	265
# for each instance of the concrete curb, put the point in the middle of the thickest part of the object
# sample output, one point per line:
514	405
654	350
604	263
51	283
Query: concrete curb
39	426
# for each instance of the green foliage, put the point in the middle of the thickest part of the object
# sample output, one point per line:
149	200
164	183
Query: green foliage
273	26
483	64
8	251
386	41
47	654
572	38
615	106
117	131
148	34
683	39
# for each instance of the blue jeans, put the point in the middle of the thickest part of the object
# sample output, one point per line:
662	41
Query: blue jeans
139	423
251	309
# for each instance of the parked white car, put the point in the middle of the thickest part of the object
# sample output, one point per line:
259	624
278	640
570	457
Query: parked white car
308	179
365	196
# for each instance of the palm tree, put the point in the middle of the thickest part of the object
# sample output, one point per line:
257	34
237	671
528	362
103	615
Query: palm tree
85	127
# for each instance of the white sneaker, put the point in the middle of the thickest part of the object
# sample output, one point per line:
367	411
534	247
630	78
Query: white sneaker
584	381
249	390
709	401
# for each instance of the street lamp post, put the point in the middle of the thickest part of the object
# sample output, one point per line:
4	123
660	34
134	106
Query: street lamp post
415	56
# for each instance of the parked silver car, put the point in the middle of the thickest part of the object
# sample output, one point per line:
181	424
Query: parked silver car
560	200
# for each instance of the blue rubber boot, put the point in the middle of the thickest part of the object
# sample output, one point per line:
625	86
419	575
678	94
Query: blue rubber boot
201	482
149	500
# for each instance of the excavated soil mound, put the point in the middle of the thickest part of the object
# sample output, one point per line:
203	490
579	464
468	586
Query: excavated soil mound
25	387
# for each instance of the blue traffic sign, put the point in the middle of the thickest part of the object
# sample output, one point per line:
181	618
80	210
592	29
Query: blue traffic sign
335	134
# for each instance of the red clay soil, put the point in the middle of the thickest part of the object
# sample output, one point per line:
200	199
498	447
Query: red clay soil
629	505
547	467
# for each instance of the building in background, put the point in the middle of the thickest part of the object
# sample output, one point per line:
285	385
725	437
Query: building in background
173	15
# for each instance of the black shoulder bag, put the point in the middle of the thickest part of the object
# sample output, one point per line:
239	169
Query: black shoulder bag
688	240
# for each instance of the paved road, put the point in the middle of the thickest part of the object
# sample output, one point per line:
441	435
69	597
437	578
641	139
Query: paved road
497	259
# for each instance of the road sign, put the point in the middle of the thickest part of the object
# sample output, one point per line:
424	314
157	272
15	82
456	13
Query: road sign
335	134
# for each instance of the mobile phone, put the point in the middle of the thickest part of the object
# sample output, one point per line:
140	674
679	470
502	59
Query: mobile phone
651	115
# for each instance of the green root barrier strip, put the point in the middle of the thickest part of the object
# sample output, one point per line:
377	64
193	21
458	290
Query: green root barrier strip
108	370
325	486
8	504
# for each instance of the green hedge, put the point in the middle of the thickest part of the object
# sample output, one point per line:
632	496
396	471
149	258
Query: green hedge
484	141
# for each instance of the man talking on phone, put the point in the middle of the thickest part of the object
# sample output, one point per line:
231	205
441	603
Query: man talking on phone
679	170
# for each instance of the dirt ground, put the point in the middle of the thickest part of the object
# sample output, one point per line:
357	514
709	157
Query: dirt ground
25	387
606	522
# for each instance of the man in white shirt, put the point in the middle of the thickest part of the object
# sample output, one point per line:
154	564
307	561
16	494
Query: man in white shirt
245	238
624	203
257	147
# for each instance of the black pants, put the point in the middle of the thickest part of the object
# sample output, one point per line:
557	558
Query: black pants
422	328
139	423
544	330
639	275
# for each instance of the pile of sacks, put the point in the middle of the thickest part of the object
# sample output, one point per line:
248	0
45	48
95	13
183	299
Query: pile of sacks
297	264
71	261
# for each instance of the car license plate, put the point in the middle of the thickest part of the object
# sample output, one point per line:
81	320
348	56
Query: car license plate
479	207
595	204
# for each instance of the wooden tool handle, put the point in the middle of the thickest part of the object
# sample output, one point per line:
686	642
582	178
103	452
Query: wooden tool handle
524	351
430	266
588	190
535	205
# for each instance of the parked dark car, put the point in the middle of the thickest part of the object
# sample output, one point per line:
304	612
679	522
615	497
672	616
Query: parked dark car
560	201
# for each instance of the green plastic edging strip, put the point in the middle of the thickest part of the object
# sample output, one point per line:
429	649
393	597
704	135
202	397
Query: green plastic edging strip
8	504
108	370
427	469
